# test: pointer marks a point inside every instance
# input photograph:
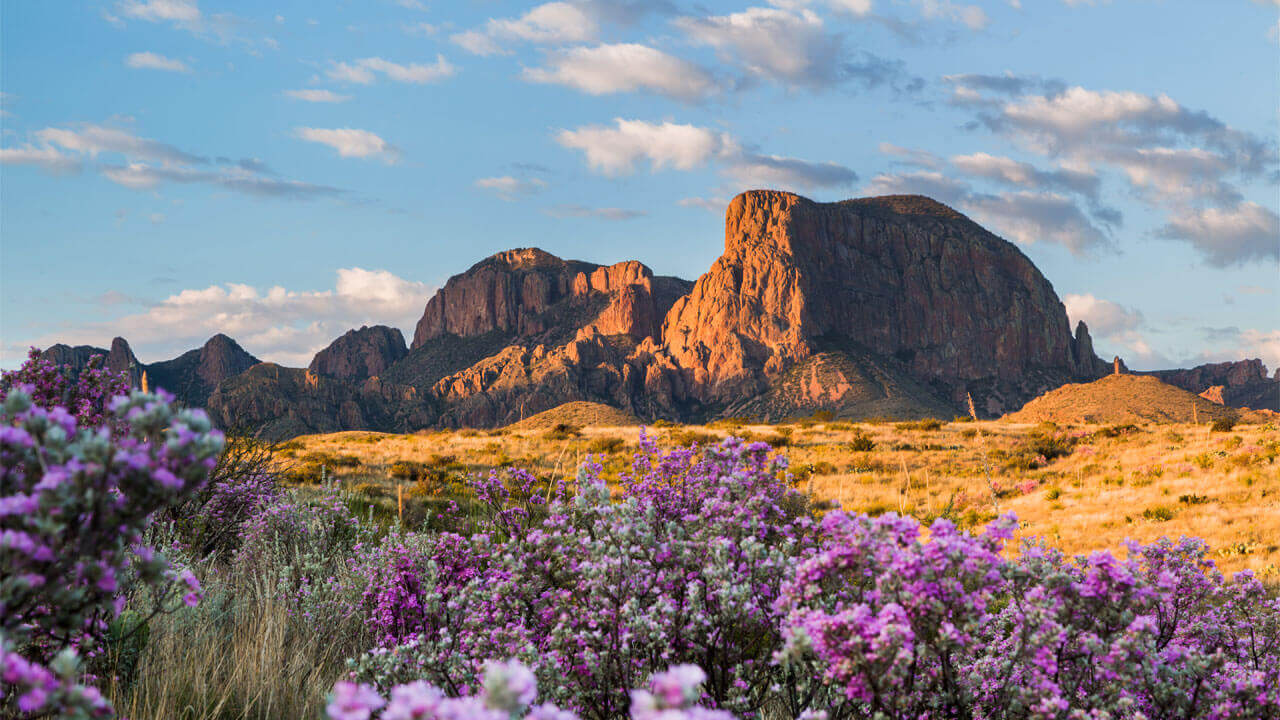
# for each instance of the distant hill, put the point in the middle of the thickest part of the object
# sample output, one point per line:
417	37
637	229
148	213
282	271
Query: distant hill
582	414
1122	398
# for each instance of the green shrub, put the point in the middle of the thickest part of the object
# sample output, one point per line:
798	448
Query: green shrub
1114	431
862	443
1224	424
563	431
1193	499
606	445
1159	513
1052	494
927	424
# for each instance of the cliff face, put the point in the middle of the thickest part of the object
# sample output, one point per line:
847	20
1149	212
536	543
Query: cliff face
882	307
192	376
903	277
1242	383
361	354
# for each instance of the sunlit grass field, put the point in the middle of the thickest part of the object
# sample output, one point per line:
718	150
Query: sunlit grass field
1079	487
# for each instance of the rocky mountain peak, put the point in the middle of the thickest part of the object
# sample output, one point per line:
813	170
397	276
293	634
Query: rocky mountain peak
361	354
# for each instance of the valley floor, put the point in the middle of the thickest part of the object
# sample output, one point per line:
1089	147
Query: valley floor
1079	487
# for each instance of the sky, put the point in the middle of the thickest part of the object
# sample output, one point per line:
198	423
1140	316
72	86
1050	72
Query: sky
285	171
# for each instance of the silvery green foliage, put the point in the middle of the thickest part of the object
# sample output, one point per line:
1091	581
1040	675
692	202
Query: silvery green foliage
600	593
74	503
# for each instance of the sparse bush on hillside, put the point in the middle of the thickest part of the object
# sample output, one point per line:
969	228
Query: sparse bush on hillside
926	425
563	431
606	445
861	443
1224	424
1115	431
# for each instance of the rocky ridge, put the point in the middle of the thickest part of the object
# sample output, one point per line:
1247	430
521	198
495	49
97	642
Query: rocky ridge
880	307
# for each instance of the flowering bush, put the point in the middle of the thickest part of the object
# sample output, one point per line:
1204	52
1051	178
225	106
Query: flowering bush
87	395
74	501
508	692
951	628
599	594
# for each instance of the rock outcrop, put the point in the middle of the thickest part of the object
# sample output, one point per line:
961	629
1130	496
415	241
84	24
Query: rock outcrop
881	307
1243	383
193	375
361	354
904	277
190	376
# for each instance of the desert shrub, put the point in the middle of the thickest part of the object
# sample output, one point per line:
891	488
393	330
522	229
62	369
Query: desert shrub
1224	424
953	628
862	443
969	433
331	460
1115	431
693	437
1159	513
1039	448
606	445
927	425
1233	442
725	529
1052	494
563	431
1192	499
74	503
407	470
776	440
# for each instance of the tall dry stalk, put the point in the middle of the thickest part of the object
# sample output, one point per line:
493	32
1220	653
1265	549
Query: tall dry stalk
986	466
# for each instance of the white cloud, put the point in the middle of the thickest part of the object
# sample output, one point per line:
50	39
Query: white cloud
147	163
1025	217
1236	235
184	13
508	187
911	156
275	324
783	173
1103	317
552	23
351	142
47	158
152	61
625	67
971	16
1012	172
711	204
362	72
317	96
616	150
771	43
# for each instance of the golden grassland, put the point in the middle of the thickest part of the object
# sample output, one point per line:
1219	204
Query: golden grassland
1107	483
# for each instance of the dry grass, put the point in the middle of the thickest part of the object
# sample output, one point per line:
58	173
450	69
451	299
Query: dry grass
1157	479
243	659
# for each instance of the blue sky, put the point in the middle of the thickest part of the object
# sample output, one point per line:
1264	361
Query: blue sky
283	171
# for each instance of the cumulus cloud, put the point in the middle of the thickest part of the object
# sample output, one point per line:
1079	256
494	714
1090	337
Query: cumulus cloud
364	71
1236	235
351	142
1103	317
508	187
143	164
275	324
791	46
1025	217
181	13
711	204
1012	172
770	171
152	61
604	213
553	23
619	149
1182	161
911	156
1234	343
317	96
626	67
971	16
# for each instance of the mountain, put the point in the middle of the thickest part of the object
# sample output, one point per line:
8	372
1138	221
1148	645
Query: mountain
893	306
191	377
1242	383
